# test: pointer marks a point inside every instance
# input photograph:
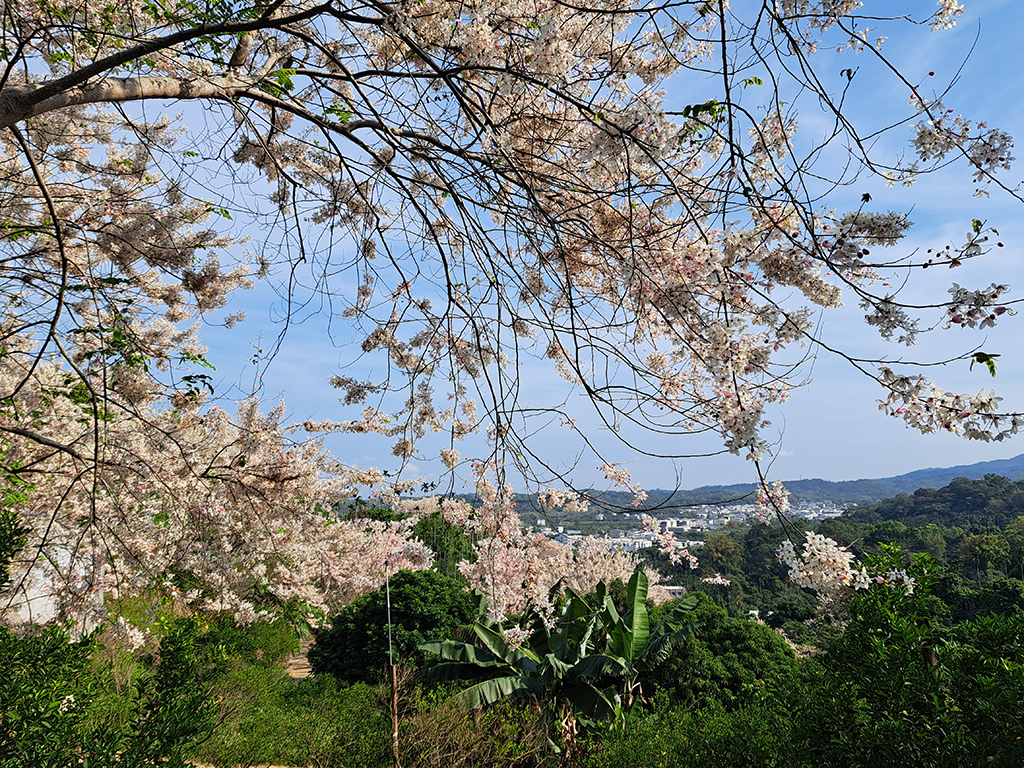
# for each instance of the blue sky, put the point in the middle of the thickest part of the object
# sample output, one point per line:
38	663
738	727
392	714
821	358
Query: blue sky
831	428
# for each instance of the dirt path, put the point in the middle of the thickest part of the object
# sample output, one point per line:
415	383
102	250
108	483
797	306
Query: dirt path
297	666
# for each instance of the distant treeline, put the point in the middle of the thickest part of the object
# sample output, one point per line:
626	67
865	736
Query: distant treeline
992	501
973	530
848	492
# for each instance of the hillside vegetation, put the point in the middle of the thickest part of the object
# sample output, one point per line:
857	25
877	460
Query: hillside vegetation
929	674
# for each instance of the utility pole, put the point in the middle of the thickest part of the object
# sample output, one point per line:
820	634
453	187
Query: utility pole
391	668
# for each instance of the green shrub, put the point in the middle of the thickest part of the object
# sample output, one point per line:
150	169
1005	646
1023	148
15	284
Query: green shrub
42	698
424	606
893	692
726	660
13	537
55	707
751	736
263	643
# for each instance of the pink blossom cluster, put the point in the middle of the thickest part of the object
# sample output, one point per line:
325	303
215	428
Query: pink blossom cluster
668	544
130	637
620	476
822	565
945	17
717	580
234	502
976	309
469	182
988	150
774	498
828	568
929	408
516	567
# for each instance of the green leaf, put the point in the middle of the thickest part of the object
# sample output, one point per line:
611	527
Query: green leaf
590	700
443	673
575	625
558	667
620	640
599	665
454	650
497	689
198	359
610	616
219	210
661	646
640	625
677	614
985	358
284	78
340	113
493	641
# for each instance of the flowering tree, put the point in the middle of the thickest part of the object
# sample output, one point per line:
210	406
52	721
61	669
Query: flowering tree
517	568
218	513
469	184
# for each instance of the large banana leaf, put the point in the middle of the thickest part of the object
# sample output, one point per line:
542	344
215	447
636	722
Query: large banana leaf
559	669
661	646
521	658
454	650
492	640
675	616
570	638
576	621
457	670
609	615
639	622
583	646
498	689
630	634
600	665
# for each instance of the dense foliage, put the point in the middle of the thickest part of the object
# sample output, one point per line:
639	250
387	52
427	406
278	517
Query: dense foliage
425	605
991	501
61	705
896	688
727	662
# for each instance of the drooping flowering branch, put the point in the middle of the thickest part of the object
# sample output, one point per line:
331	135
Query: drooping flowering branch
826	567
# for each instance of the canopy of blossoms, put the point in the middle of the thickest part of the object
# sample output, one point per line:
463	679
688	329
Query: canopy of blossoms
461	185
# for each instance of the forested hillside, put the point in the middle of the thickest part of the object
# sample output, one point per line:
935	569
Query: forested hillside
867	491
972	530
992	501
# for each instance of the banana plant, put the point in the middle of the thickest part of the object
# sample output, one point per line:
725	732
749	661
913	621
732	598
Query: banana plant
559	663
586	664
631	639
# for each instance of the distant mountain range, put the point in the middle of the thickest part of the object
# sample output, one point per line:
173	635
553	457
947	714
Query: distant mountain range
852	491
844	493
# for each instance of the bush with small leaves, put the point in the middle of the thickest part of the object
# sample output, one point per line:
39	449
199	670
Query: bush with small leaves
425	605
